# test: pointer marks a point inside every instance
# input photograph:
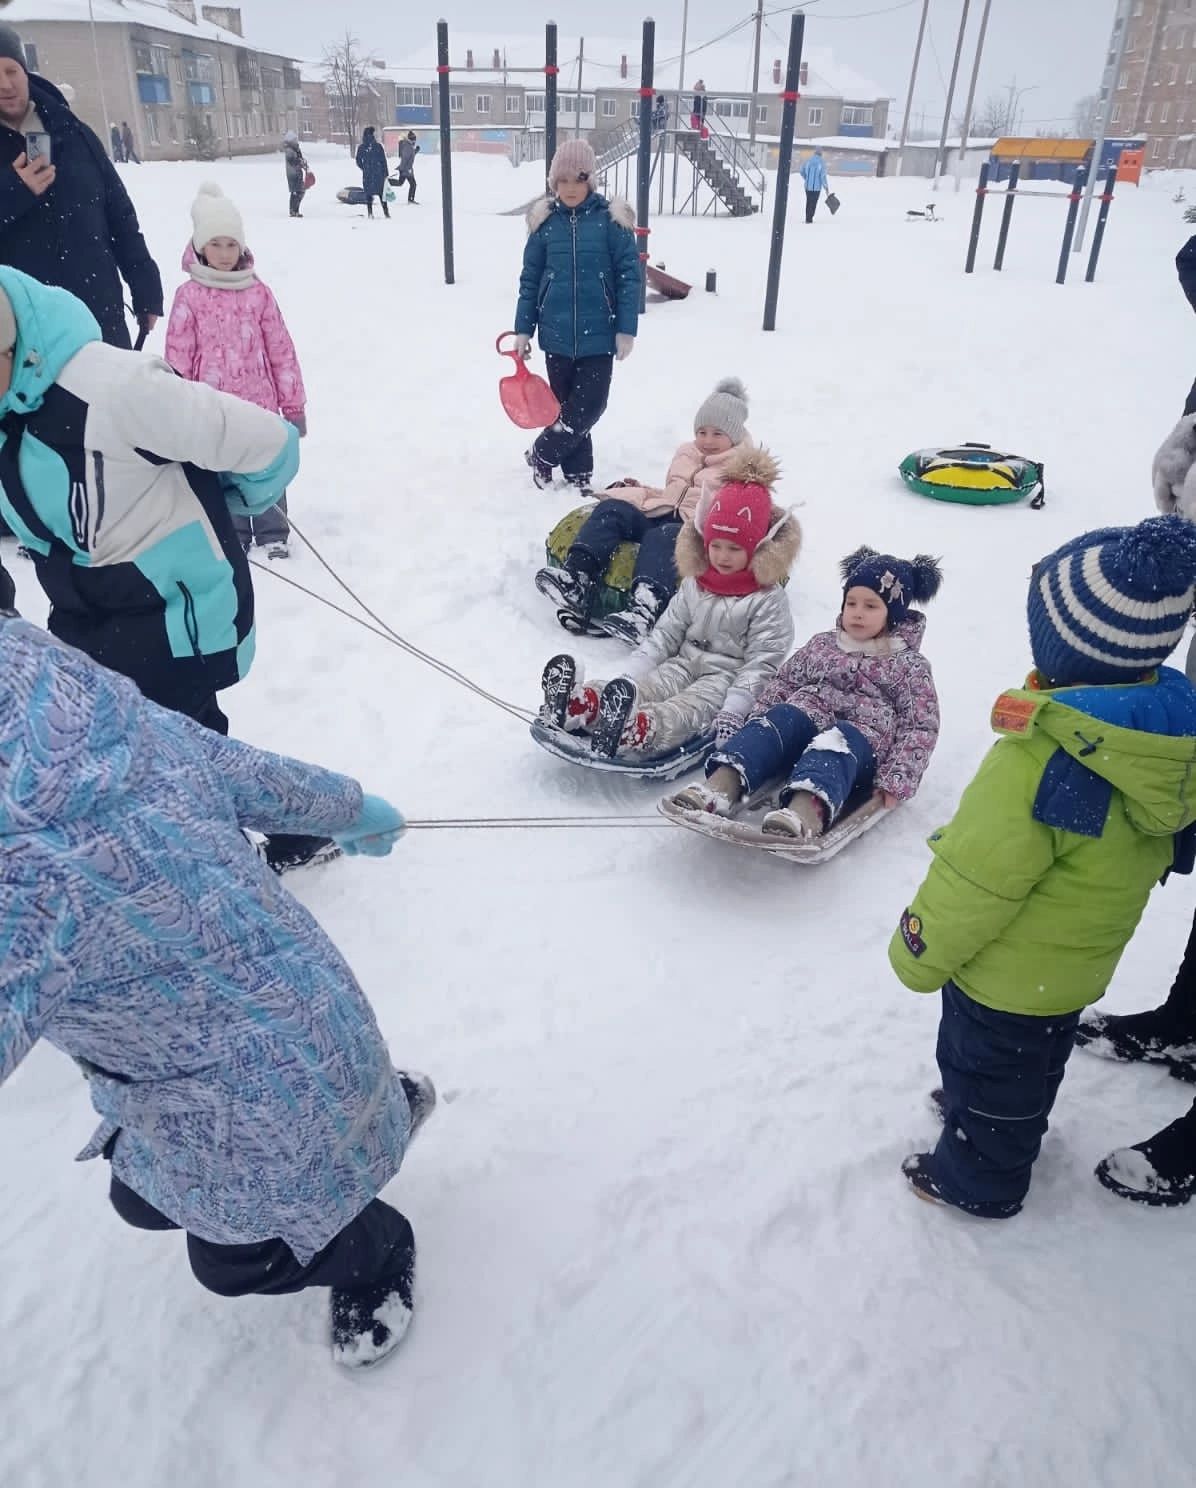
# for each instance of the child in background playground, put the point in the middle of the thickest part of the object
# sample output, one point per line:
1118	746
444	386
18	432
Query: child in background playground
855	708
721	638
580	285
635	513
226	330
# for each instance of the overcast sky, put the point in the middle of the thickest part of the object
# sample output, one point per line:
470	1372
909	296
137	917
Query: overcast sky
1054	48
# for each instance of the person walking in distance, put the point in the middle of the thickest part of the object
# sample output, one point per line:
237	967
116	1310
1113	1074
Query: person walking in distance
296	172
118	148
408	150
129	144
813	173
371	162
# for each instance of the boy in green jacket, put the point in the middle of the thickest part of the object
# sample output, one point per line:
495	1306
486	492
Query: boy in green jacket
1039	880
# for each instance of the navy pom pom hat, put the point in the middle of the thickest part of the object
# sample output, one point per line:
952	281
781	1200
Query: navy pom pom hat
900	582
1114	603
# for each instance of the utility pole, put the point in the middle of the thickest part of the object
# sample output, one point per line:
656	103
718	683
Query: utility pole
677	95
1121	26
941	157
967	108
581	62
913	77
756	69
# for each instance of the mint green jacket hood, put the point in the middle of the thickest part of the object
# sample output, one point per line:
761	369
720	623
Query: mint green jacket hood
53	325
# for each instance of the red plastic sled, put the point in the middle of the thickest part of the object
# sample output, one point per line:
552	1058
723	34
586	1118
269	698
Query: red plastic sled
664	284
526	399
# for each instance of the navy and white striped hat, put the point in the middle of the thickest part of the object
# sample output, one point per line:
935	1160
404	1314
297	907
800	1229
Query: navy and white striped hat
1112	604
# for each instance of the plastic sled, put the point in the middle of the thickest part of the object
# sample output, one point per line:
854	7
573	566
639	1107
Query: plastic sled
974	475
744	830
665	284
832	203
352	196
575	749
527	399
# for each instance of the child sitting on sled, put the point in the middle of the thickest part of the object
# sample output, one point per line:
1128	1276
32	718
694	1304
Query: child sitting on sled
721	638
854	709
635	513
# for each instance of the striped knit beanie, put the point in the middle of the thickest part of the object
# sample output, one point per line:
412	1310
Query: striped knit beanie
1112	604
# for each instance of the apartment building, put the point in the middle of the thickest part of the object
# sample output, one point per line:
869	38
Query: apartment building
1154	93
178	72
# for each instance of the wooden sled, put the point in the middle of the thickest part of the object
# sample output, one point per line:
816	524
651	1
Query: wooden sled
666	285
575	749
744	830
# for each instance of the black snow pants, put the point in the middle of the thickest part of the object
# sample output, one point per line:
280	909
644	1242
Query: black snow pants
582	385
812	204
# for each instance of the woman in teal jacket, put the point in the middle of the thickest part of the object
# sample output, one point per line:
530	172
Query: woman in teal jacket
581	286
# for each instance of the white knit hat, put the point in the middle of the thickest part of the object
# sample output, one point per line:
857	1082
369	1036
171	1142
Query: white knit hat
8	323
215	216
725	409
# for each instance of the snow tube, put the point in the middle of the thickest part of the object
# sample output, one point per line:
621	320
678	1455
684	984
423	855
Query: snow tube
974	474
615	589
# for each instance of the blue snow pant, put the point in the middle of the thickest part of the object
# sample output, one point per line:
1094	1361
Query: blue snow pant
831	765
1001	1073
613	522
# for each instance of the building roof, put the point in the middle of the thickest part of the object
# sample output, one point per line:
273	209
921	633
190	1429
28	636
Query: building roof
1012	148
725	65
153	13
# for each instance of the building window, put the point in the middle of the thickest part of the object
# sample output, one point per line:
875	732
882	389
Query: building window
514	103
456	103
1156	149
609	107
1148	116
202	95
199	67
1180	110
174	130
1191	77
856	115
761	113
1164	113
1115	116
151	127
1174	72
415	97
305	102
1123	79
1137	7
151	59
482	103
813	118
731	108
31	58
272	78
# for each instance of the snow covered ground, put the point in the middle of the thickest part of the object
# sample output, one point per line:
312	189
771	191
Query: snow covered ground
664	1236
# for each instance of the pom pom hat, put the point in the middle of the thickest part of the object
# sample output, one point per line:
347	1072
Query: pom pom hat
900	582
1114	603
740	510
574	158
213	215
725	410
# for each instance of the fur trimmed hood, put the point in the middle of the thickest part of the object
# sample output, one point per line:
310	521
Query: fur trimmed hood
1173	471
622	213
773	560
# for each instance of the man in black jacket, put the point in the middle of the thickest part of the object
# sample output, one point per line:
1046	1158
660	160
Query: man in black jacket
69	222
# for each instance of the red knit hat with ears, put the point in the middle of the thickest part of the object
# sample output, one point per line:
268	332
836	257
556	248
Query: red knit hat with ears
741	513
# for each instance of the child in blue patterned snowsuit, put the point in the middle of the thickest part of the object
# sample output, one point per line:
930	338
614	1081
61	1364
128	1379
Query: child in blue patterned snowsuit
246	1093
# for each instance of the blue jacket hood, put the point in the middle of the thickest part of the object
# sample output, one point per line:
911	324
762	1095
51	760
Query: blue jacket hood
1167	707
53	325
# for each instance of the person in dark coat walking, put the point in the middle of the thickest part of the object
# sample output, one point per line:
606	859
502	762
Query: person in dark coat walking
408	150
118	148
371	162
129	144
296	172
69	223
697	116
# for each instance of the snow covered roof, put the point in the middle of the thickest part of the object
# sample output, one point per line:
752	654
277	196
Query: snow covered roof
131	13
725	65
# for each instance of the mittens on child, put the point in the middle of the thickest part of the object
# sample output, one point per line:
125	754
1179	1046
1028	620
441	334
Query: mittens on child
377	828
624	346
523	345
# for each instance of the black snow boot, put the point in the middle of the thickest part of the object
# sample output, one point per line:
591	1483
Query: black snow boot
1160	1171
369	1322
582	484
1155	1037
614	709
421	1098
633	624
541	473
570	589
286	851
557	682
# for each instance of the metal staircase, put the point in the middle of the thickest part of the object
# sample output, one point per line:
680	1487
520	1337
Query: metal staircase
724	162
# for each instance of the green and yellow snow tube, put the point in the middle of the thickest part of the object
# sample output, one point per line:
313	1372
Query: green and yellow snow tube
975	475
614	592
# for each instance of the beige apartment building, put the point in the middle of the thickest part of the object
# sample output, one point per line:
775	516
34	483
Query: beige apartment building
1155	89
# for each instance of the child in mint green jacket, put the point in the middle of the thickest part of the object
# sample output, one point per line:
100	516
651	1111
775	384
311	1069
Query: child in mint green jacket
1039	880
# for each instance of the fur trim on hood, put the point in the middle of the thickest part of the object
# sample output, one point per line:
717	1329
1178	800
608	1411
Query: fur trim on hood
622	213
1174	470
772	561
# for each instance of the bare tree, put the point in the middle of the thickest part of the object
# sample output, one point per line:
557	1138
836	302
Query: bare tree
1085	115
995	117
349	74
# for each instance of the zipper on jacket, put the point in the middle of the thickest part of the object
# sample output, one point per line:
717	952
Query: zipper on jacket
189	619
77	506
549	277
610	304
573	225
101	496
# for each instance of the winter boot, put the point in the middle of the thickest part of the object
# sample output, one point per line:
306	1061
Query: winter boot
421	1098
1156	1037
918	1172
386	211
582	484
633	624
719	793
541	473
937	1101
570	588
278	549
614	710
803	816
369	1322
286	851
1160	1171
556	683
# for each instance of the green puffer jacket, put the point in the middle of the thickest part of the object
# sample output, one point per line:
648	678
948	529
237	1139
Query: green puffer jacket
1024	914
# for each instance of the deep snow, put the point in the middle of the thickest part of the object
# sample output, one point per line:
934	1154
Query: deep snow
664	1236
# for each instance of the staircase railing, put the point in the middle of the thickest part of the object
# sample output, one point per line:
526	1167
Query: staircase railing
736	154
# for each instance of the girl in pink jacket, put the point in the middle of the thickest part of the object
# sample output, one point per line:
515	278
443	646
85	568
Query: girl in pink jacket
226	330
855	709
652	517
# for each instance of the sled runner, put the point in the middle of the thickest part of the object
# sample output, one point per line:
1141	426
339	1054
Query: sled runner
577	750
527	400
664	284
744	830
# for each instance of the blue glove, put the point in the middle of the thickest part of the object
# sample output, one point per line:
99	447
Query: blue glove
377	828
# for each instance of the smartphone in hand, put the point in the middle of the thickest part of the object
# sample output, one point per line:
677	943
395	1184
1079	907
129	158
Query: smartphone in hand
38	147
